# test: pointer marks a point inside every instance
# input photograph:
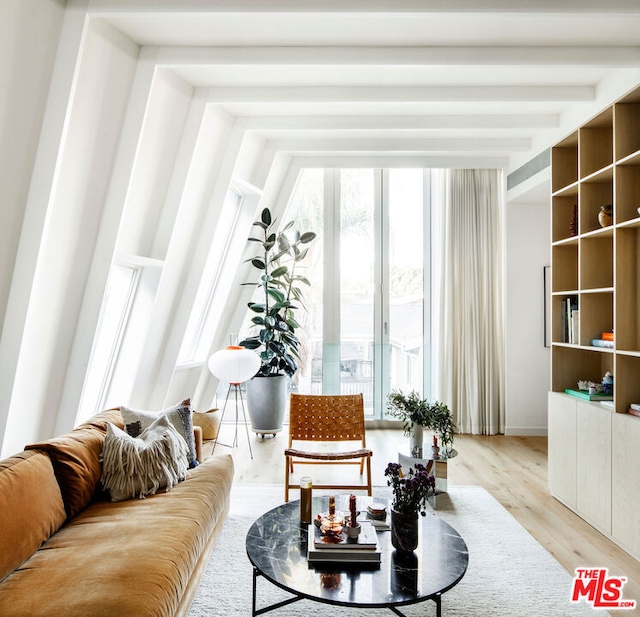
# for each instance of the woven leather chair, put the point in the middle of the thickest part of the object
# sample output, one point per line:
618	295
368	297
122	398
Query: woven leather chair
321	418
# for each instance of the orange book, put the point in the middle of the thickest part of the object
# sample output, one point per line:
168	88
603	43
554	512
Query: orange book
607	336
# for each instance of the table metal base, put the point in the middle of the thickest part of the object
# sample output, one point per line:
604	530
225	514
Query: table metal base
437	599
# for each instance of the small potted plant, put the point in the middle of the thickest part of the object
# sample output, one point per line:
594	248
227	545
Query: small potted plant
410	495
441	423
417	414
413	410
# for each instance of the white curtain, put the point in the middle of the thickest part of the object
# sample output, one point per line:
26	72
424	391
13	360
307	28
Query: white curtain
468	276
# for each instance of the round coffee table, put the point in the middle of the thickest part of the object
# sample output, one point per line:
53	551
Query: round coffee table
277	547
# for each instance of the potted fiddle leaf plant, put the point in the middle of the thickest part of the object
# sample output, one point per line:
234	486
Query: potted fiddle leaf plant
274	337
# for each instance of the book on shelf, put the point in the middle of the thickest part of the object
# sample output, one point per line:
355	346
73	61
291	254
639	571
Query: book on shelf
607	336
584	394
570	320
599	342
349	553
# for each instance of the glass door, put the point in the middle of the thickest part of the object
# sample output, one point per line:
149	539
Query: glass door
367	320
359	278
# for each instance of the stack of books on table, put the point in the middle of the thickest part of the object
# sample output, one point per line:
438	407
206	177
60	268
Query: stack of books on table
377	515
634	409
363	549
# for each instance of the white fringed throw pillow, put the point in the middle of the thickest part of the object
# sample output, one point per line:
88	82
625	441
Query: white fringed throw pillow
137	420
140	466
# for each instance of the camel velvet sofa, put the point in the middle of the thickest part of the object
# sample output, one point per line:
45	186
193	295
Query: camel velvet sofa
66	550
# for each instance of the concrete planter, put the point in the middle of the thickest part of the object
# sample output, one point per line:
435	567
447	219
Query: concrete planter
267	400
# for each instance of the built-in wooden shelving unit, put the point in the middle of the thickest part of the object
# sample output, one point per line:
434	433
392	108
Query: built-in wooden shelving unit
594	447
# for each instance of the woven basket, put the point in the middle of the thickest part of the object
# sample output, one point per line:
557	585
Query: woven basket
208	421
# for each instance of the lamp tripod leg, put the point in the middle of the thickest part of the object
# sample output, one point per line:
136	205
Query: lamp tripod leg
224	408
235	436
246	426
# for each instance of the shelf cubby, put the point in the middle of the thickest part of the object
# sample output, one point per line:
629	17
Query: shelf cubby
558	307
627	129
627	381
595	144
593	195
596	261
573	364
627	193
596	315
564	163
564	271
627	323
564	209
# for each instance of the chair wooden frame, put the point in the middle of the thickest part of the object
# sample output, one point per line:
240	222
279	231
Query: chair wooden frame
327	418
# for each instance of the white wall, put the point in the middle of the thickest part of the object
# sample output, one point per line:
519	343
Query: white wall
63	212
29	33
527	359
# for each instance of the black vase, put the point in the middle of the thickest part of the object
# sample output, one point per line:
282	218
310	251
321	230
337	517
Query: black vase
404	531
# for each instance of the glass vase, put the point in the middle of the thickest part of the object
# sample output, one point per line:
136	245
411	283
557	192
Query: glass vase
415	440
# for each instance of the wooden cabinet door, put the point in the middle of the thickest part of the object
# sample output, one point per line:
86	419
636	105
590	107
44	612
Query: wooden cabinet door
562	448
625	486
593	477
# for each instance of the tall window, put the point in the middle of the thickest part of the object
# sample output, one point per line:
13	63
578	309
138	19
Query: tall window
201	325
117	345
367	325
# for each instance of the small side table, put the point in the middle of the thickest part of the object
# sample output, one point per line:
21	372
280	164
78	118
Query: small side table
436	465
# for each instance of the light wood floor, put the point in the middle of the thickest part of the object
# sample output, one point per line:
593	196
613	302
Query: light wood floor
512	469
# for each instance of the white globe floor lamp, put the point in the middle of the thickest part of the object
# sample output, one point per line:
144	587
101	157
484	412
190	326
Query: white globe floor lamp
234	365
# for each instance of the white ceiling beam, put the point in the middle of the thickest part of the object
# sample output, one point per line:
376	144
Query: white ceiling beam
402	145
358	6
399	56
401	94
402	161
405	122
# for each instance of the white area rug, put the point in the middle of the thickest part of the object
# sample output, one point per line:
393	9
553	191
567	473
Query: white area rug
509	573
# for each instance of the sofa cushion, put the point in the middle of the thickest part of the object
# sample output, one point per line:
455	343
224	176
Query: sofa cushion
76	462
136	420
132	557
31	507
100	420
140	466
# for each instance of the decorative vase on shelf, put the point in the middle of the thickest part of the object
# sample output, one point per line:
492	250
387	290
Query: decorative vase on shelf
605	216
415	440
404	531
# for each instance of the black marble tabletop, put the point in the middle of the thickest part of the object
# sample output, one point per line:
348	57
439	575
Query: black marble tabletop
277	546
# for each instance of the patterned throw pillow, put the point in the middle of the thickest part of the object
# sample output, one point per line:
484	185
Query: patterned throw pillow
141	466
136	420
